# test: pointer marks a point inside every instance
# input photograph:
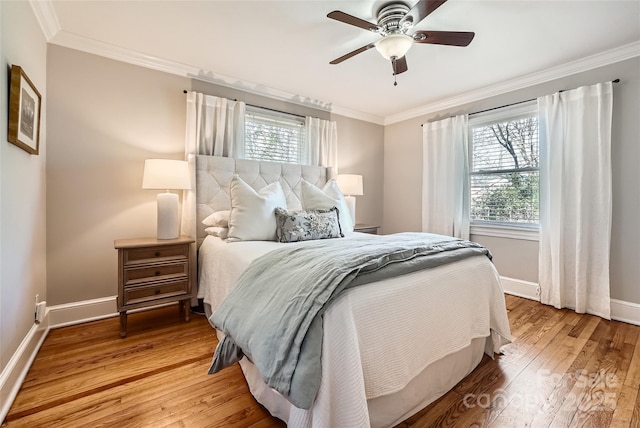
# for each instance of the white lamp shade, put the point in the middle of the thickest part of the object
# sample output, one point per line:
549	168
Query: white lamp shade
394	45
166	174
350	184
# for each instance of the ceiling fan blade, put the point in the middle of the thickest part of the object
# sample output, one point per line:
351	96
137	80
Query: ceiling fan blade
420	11
452	38
399	65
352	20
353	53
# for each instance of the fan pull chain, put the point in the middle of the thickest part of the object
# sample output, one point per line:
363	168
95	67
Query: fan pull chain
395	74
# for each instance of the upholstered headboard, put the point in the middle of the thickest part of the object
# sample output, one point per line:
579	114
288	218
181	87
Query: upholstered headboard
214	173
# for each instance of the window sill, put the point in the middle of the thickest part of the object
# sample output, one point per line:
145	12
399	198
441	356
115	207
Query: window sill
504	231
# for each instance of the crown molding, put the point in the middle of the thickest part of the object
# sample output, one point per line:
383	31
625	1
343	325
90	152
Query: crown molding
73	41
612	56
47	18
355	114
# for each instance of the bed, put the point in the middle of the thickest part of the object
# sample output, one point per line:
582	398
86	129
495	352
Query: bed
390	347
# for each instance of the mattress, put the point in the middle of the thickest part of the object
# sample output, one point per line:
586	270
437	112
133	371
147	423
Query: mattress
382	340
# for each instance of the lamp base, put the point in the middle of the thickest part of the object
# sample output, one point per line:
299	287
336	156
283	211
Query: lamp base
168	216
351	204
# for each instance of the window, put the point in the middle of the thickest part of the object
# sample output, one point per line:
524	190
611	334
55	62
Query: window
273	136
504	171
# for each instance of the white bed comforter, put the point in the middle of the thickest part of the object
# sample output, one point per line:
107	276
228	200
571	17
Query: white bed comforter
379	336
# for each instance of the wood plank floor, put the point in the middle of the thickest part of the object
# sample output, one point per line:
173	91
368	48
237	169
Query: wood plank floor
562	370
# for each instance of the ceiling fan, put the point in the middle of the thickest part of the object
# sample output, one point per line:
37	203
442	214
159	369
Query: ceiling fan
394	20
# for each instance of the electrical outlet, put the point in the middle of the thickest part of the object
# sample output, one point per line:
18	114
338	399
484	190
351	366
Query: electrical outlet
537	290
41	310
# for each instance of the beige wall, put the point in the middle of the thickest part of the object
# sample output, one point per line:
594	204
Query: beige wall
517	258
361	152
22	187
106	117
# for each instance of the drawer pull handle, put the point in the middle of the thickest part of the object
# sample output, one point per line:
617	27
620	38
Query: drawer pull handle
157	272
157	254
157	291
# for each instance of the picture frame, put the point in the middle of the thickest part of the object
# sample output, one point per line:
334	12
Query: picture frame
24	112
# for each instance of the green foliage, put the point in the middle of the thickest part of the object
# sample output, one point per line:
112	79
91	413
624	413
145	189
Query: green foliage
512	199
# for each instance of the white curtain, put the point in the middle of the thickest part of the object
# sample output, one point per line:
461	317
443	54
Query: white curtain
321	144
445	177
215	126
575	198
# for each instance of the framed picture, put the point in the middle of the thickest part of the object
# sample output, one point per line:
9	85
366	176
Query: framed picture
24	112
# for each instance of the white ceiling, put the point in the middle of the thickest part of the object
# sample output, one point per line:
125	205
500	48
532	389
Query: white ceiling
284	47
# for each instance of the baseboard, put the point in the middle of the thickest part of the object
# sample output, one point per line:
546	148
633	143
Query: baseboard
520	288
620	310
16	370
83	311
89	310
625	311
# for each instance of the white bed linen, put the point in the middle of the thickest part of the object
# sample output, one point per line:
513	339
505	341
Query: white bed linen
380	336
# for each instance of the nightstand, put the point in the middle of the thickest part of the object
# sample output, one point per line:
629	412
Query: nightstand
366	228
153	272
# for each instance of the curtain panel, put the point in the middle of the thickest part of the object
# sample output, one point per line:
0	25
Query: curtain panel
445	179
215	126
321	144
575	198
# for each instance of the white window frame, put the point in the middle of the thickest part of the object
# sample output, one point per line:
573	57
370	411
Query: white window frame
522	231
288	121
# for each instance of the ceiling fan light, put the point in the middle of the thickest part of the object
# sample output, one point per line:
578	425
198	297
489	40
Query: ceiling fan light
394	45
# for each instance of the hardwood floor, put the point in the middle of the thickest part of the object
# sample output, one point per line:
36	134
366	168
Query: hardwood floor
562	369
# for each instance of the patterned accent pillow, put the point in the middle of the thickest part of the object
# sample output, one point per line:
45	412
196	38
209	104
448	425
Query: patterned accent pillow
294	226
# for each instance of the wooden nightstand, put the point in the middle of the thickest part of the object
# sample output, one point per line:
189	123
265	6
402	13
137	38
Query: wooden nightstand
366	228
152	272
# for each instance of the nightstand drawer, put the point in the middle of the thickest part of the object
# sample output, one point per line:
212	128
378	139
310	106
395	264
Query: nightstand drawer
155	254
133	275
134	295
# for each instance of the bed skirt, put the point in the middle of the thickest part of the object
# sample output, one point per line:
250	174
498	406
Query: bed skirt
432	383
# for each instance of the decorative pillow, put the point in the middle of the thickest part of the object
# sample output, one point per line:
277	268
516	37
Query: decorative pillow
251	217
220	232
314	198
218	219
293	226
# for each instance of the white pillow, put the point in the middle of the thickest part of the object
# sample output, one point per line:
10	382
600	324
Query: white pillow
314	198
220	232
252	216
218	219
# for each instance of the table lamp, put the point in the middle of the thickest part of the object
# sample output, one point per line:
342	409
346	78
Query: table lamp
351	186
167	174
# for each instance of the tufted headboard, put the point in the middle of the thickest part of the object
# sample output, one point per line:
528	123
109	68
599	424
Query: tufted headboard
214	173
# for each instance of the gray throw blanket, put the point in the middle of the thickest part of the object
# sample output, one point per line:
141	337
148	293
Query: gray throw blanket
274	314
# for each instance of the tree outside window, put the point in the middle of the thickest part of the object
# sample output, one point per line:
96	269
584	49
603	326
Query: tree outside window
505	170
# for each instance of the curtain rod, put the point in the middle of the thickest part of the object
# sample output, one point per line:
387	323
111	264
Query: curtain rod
519	102
264	108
